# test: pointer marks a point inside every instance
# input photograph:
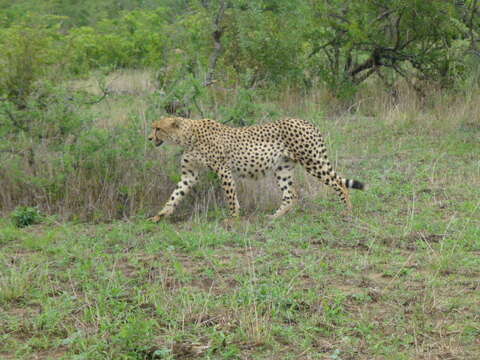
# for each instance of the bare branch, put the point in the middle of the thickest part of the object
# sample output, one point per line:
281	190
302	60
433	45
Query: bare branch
473	14
383	15
316	49
372	61
195	102
397	31
407	77
340	17
217	35
12	151
100	99
366	75
329	57
105	92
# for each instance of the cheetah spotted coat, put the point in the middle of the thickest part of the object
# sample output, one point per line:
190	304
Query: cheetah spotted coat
248	151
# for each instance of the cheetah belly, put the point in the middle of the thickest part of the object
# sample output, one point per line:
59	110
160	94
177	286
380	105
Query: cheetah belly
255	161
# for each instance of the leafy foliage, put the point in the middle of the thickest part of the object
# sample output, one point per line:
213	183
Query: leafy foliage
352	41
335	42
27	53
135	39
24	216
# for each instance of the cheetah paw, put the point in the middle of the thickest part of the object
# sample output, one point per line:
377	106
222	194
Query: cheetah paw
157	218
154	219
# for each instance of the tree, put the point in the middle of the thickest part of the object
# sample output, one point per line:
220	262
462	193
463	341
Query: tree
351	41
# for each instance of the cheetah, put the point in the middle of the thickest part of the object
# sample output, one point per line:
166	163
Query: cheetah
248	152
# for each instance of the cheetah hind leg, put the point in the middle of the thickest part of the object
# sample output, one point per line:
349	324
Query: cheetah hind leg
323	171
284	176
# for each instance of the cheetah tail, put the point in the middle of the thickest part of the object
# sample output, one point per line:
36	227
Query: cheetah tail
354	184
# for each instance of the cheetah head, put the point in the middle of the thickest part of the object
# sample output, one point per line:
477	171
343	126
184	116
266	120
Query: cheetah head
165	129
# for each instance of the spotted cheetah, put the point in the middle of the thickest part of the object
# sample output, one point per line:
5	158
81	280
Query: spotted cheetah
248	151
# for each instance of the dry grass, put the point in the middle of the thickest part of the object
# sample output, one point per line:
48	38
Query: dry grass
122	82
136	180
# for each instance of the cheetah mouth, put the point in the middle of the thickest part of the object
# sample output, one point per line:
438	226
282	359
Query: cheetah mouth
158	143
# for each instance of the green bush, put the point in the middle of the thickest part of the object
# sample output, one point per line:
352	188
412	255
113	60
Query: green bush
26	53
49	113
24	216
134	40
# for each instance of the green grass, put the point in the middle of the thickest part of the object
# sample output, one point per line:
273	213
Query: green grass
399	279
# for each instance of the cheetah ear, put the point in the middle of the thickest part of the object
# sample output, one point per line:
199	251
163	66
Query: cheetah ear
176	123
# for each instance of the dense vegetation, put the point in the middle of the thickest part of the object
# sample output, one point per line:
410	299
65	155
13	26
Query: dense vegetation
230	60
257	42
394	87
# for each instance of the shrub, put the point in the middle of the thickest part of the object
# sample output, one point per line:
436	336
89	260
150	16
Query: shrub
48	113
26	52
134	40
24	216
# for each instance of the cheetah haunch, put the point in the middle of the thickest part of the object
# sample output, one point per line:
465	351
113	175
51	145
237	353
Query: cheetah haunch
248	151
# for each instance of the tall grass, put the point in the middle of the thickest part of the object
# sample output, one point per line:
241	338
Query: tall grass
106	169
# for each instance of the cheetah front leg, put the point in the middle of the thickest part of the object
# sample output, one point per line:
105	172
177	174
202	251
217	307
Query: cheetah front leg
228	185
188	179
284	175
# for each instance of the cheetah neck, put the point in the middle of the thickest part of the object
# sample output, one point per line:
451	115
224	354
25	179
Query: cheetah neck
185	137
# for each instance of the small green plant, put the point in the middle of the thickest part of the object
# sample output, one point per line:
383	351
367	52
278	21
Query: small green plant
24	216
